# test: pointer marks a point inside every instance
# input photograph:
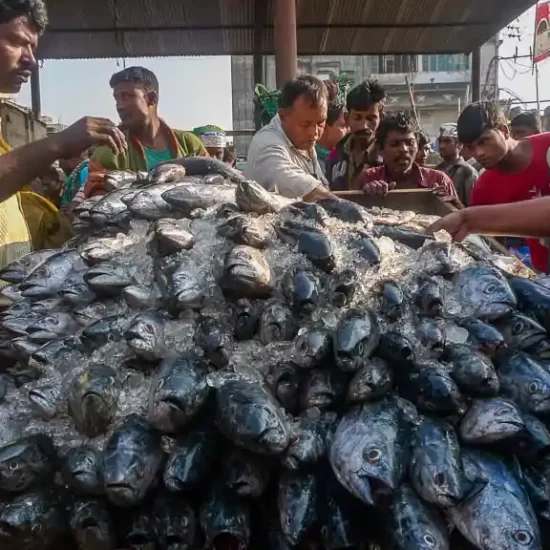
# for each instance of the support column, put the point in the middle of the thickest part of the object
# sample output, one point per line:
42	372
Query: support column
285	41
476	74
35	92
260	16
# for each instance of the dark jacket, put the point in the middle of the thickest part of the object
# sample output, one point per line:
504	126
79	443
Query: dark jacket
341	171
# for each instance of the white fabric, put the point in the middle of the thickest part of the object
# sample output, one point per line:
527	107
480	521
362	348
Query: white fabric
277	165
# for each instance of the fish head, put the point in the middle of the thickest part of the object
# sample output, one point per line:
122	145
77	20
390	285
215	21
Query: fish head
343	287
131	460
322	388
145	335
23	461
52	327
81	470
536	391
302	289
486	291
356	336
492	420
187	290
245	319
45	400
256	417
311	347
214	339
179	393
283	380
23	347
92	397
438	392
108	278
91	524
522	331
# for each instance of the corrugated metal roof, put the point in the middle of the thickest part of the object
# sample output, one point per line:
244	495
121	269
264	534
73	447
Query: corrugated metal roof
141	28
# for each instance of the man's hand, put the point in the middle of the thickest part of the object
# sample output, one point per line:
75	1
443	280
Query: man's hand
86	133
455	224
378	188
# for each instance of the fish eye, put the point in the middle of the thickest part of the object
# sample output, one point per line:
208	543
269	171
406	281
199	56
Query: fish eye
429	540
373	455
523	537
149	328
89	461
533	387
517	327
439	479
160	384
13	465
360	348
501	412
490	288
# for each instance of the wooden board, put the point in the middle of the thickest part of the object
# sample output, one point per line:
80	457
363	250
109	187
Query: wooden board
421	201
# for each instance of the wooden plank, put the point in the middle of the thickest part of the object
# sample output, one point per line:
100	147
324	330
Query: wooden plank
421	201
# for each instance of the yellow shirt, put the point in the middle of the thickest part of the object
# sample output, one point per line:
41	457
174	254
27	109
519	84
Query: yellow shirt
15	239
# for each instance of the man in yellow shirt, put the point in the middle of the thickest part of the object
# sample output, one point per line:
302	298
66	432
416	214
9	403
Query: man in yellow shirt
21	24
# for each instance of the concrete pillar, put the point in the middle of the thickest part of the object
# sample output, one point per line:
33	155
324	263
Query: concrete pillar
476	74
285	42
35	92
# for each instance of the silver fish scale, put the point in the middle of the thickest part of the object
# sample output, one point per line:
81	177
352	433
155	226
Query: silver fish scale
188	333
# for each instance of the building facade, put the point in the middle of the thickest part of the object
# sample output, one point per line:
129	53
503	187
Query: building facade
440	83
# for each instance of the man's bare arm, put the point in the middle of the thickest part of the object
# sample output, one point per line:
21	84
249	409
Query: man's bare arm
522	219
22	165
318	194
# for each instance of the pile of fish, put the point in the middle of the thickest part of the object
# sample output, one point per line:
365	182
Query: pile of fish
209	365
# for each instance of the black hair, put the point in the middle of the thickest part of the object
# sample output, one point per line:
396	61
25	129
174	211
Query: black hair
530	119
479	117
35	10
422	138
395	122
306	86
365	95
335	110
137	75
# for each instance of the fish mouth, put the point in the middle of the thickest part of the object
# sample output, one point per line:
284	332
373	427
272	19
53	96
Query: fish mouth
321	399
120	494
37	335
40	401
13	277
8	531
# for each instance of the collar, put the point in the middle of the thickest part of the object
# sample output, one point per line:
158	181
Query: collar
168	135
415	175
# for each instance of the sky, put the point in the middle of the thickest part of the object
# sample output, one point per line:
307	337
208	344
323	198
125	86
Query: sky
197	90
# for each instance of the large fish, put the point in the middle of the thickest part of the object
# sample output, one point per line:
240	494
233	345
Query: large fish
369	453
500	514
249	415
131	461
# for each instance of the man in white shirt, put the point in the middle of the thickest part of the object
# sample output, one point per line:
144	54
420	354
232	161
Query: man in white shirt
282	156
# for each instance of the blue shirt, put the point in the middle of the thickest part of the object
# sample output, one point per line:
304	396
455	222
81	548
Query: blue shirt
154	158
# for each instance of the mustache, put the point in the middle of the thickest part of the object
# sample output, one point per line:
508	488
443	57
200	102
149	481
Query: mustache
363	133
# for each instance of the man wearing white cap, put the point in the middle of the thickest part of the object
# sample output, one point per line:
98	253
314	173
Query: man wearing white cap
213	138
463	174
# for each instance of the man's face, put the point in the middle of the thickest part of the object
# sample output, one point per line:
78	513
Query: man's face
304	123
448	147
399	151
216	152
521	132
363	124
423	154
490	148
133	104
333	134
18	41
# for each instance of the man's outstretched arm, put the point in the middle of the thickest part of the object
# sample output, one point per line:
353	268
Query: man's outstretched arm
22	165
521	219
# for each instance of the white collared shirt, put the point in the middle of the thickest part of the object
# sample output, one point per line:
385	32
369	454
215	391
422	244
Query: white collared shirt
277	165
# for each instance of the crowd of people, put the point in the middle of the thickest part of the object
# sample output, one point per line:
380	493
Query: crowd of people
316	145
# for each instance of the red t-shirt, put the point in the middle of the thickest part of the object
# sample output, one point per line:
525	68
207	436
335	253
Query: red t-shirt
496	187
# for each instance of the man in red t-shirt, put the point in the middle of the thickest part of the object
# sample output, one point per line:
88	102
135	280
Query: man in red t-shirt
514	170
